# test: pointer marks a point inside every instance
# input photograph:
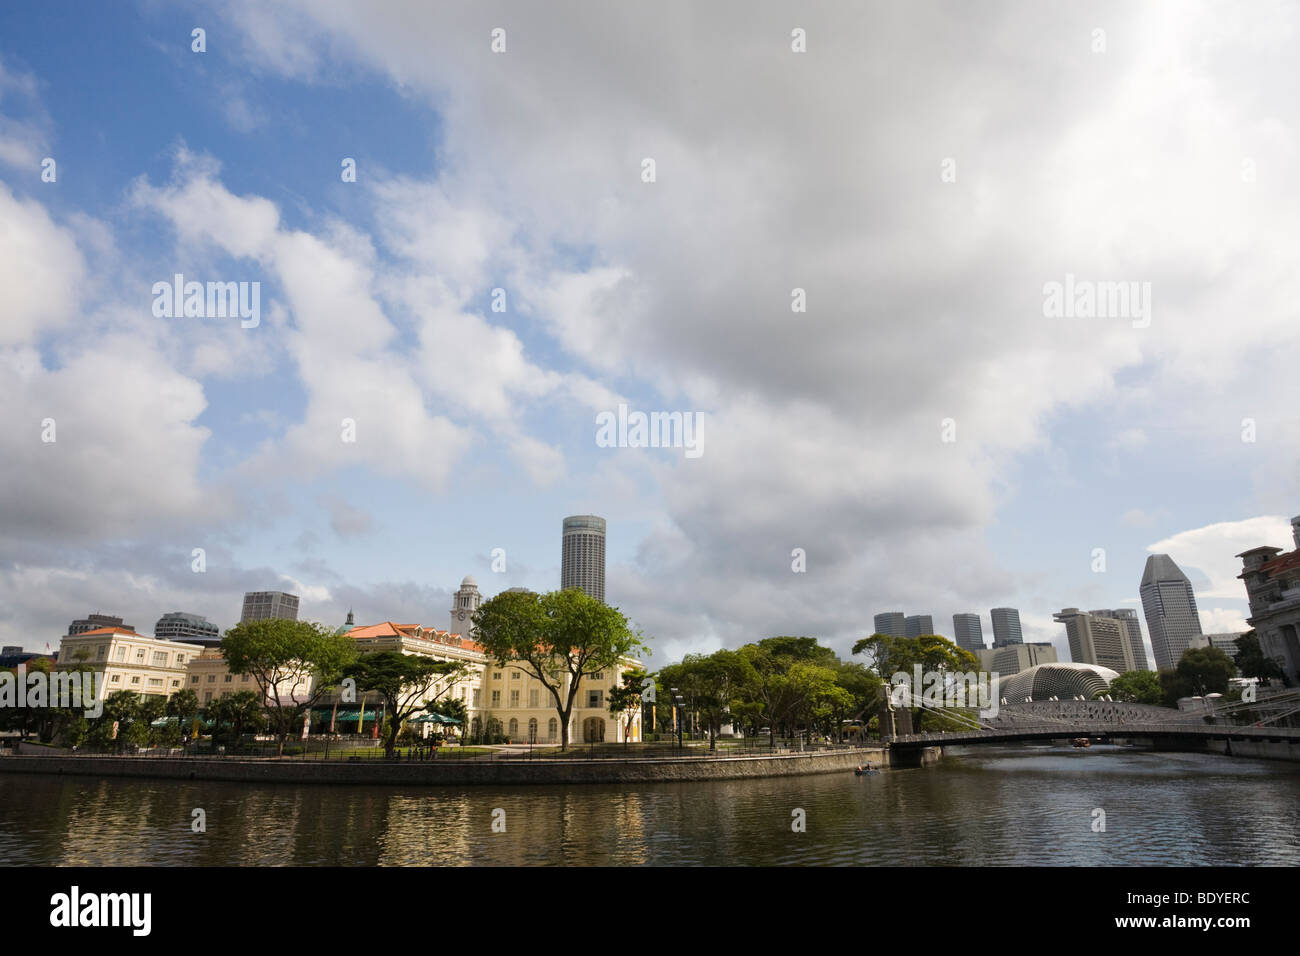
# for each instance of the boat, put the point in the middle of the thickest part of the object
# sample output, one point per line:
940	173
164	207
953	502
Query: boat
864	772
1081	742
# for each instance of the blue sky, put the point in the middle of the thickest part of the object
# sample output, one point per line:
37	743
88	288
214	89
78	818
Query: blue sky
522	171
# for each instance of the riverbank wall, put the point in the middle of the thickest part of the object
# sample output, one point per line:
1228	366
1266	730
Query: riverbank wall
456	772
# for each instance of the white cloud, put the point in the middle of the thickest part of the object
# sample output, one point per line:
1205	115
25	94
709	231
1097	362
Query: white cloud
1212	550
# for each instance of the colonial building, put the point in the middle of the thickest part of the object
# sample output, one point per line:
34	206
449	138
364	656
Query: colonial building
1272	580
151	666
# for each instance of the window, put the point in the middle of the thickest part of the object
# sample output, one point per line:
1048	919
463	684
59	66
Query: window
514	675
207	697
599	675
593	698
462	693
139	655
176	683
244	679
117	678
496	675
135	680
532	698
160	658
194	679
229	678
514	698
121	653
180	659
476	693
212	678
514	728
496	698
101	651
155	682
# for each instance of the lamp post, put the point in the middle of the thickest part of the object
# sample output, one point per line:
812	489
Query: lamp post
678	700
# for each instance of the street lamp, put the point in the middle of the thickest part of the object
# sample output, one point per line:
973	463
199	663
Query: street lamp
678	701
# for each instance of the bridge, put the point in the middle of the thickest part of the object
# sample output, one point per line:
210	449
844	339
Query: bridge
1105	721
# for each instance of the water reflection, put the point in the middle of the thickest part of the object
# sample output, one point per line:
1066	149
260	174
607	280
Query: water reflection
1009	806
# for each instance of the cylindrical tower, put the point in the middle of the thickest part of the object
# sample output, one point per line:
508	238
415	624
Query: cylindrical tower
582	558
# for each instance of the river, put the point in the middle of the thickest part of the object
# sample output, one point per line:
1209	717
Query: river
996	806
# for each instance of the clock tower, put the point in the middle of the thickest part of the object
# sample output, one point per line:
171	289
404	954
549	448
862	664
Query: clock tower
466	602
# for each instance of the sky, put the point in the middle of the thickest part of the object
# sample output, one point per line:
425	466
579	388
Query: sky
916	429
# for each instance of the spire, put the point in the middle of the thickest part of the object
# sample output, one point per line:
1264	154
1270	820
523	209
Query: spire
349	622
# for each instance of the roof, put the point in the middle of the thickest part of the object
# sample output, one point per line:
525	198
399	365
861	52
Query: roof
1161	567
100	631
1283	562
390	629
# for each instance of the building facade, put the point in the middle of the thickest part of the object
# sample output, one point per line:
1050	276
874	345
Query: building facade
582	555
891	623
917	624
1170	609
180	626
1128	618
967	632
154	667
463	605
1098	641
264	605
93	622
1006	626
1223	642
1272	580
1013	658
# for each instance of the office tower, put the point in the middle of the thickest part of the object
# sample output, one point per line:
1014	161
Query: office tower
582	558
1013	658
918	624
1224	642
891	623
1102	641
967	632
94	622
1133	631
180	626
1170	609
1006	627
260	605
465	602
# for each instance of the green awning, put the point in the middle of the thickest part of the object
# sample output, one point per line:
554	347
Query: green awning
344	714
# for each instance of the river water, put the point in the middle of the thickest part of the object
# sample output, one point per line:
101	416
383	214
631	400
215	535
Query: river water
1003	806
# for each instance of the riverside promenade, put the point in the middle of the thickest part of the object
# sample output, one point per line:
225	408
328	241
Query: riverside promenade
501	769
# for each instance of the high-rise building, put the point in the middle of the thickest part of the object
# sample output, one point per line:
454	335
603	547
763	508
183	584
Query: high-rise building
1006	626
891	623
1133	632
1226	642
582	556
180	626
94	622
918	624
260	605
463	606
967	632
1013	658
1170	609
1102	641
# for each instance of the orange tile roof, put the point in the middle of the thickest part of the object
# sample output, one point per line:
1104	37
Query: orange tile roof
107	630
1283	562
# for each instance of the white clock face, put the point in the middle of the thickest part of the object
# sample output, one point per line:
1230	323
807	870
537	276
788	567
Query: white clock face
461	615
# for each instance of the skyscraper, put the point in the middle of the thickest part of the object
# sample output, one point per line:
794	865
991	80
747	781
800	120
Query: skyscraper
94	622
967	632
1102	641
1170	609
1006	627
1133	630
260	605
918	624
582	557
890	622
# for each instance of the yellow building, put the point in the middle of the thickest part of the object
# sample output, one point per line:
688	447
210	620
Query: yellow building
151	666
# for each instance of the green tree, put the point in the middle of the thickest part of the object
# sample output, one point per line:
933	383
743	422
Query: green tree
294	663
1137	687
234	715
625	700
184	706
407	683
557	638
1200	671
934	654
1251	660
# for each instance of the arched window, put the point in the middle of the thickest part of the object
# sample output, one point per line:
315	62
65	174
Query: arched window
532	730
514	728
552	730
593	730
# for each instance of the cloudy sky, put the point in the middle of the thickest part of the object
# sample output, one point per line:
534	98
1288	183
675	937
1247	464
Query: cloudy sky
925	431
